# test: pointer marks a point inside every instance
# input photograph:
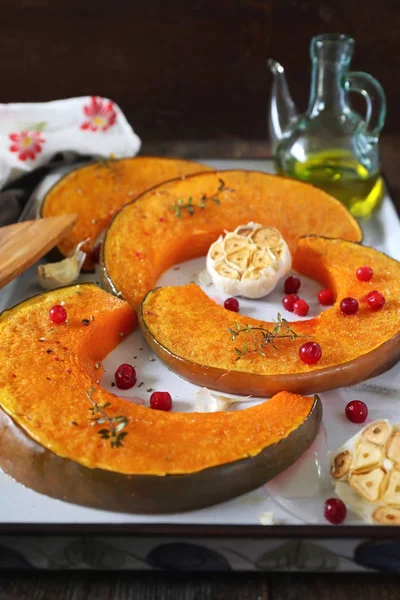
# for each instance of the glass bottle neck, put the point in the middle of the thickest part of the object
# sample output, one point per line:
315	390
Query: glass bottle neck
326	90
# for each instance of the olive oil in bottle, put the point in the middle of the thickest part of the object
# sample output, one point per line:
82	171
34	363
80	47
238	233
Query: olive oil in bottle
338	173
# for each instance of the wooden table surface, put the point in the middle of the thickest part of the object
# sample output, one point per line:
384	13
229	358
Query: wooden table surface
252	586
159	586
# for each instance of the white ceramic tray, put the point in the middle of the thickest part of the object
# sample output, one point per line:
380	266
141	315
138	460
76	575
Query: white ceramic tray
295	497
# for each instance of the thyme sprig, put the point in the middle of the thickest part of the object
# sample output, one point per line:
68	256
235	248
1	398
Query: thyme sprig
190	208
116	424
267	338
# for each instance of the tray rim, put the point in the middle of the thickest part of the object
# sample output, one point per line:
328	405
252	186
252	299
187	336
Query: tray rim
165	530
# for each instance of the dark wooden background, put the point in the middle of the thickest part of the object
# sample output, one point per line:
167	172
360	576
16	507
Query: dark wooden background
192	70
187	69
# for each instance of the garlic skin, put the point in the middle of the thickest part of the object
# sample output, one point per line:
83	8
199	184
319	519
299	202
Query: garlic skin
205	401
64	272
249	261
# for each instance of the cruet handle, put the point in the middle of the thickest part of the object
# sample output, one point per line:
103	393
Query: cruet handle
374	95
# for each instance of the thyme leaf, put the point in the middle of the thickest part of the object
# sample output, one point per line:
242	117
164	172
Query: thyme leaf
116	424
181	205
265	337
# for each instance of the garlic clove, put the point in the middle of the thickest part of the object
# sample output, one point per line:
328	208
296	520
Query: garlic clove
205	401
64	272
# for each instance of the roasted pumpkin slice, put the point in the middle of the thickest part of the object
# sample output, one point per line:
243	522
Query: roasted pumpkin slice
191	333
179	220
97	191
63	435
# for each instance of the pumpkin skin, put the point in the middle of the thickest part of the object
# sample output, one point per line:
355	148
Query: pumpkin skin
168	461
189	331
97	191
147	237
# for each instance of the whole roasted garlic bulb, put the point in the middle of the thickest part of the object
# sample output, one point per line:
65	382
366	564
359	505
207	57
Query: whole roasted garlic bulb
65	272
249	261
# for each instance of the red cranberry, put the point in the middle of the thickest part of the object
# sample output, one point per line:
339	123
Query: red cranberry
125	377
356	411
326	297
335	511
375	300
310	353
349	306
301	308
289	300
95	254
364	273
231	304
292	285
58	314
161	401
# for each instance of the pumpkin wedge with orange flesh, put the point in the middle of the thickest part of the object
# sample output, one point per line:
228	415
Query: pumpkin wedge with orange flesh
54	419
179	220
189	331
97	191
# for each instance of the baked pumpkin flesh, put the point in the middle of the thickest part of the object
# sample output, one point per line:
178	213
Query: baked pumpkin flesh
47	371
97	191
179	220
189	331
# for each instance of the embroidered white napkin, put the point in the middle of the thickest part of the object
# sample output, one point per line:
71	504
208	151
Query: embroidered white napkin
31	134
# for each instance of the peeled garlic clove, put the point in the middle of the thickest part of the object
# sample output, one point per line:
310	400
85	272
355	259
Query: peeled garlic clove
216	251
249	261
266	236
261	258
341	464
64	272
225	270
225	277
234	243
239	259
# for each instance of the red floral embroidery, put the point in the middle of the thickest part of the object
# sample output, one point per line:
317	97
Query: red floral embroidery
27	143
101	114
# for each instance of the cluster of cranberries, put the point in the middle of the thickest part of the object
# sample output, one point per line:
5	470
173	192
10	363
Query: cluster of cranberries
348	306
335	510
292	302
310	353
374	298
125	375
125	379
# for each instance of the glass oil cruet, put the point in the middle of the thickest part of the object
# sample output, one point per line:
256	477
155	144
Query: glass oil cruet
331	146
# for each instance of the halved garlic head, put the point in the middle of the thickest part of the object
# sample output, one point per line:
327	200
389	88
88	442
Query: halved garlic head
366	470
249	261
65	272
